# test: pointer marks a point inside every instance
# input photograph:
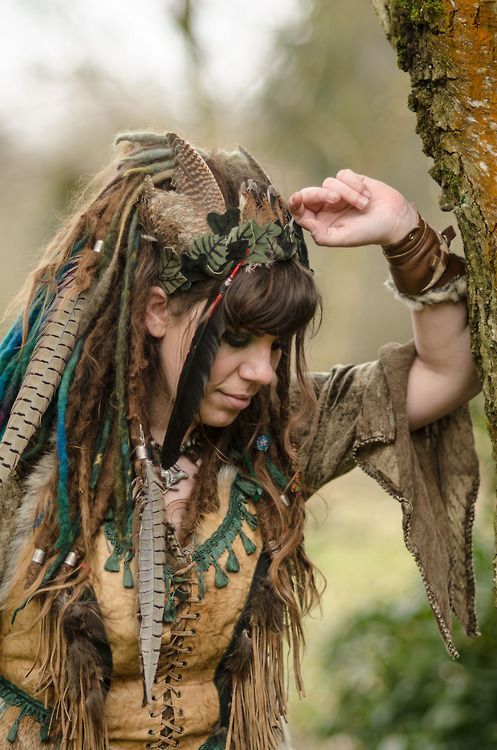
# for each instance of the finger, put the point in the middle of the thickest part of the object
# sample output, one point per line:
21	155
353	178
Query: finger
296	205
347	193
316	198
354	180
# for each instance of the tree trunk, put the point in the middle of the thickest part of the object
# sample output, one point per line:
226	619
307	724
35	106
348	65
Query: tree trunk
449	49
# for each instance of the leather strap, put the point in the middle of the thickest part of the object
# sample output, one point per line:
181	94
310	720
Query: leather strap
422	260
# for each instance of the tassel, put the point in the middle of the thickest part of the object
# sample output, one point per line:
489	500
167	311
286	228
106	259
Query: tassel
248	544
14	729
44	733
128	581
232	564
112	564
221	579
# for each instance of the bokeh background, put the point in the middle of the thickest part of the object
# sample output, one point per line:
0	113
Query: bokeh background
309	87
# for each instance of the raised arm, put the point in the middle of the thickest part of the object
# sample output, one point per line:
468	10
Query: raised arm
350	210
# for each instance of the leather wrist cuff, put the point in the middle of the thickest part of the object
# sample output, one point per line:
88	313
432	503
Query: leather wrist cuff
422	260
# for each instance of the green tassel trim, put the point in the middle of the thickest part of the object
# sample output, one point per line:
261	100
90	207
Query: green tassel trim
12	735
128	581
232	563
113	564
206	555
248	544
12	696
221	579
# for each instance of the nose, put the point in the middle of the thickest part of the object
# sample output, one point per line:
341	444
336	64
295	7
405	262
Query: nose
259	364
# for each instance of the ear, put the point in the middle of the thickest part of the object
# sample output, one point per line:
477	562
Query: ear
156	314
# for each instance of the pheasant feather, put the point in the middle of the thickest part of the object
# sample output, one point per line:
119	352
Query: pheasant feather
192	177
151	561
43	375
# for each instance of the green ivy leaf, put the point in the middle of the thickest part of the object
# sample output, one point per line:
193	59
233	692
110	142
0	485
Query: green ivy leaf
170	275
222	224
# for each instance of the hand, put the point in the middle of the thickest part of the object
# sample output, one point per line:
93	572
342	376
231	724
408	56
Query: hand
351	209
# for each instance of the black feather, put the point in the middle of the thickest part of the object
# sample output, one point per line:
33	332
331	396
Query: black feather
193	379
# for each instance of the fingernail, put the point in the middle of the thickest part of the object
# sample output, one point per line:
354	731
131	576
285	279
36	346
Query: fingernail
334	196
362	201
366	192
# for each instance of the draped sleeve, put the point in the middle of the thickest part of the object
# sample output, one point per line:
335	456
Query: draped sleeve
432	473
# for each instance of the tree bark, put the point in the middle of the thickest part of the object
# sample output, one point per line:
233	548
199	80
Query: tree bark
448	47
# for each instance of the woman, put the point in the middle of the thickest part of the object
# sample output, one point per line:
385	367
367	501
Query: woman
156	456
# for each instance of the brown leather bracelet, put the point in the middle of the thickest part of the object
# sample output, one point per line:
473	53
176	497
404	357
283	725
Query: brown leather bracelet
422	259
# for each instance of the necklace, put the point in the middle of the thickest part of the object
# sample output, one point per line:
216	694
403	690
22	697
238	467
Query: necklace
173	476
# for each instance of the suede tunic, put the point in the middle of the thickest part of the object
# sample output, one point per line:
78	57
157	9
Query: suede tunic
433	473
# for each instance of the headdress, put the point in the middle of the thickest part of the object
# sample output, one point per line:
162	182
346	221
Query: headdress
198	238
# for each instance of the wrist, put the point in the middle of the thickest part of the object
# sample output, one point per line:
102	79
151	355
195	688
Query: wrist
406	221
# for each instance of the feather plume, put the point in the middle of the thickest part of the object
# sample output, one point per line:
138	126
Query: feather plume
256	167
193	178
151	585
171	215
43	375
193	379
263	205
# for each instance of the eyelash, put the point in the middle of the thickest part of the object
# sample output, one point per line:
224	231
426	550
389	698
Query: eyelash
238	342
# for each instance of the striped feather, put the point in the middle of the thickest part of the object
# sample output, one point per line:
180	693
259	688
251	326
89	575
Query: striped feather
151	584
43	375
192	177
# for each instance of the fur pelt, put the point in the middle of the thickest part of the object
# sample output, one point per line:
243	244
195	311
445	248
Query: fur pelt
18	518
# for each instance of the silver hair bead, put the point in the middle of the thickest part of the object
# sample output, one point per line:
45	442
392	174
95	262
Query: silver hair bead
98	246
71	559
141	452
39	556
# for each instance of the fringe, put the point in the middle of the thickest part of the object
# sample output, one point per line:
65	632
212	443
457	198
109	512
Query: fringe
259	698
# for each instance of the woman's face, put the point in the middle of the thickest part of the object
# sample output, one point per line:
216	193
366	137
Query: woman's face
244	363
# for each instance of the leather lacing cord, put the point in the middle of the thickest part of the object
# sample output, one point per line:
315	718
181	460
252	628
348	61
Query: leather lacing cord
169	676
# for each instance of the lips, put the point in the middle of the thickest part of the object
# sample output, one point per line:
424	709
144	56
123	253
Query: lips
236	400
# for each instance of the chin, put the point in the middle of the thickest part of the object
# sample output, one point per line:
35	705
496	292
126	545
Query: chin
221	419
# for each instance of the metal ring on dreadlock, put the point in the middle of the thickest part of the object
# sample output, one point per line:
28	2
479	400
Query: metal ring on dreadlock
39	556
71	559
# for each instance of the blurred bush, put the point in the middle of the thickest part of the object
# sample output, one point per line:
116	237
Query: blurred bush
395	689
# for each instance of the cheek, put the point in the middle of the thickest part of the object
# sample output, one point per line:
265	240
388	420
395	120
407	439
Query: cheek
225	363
